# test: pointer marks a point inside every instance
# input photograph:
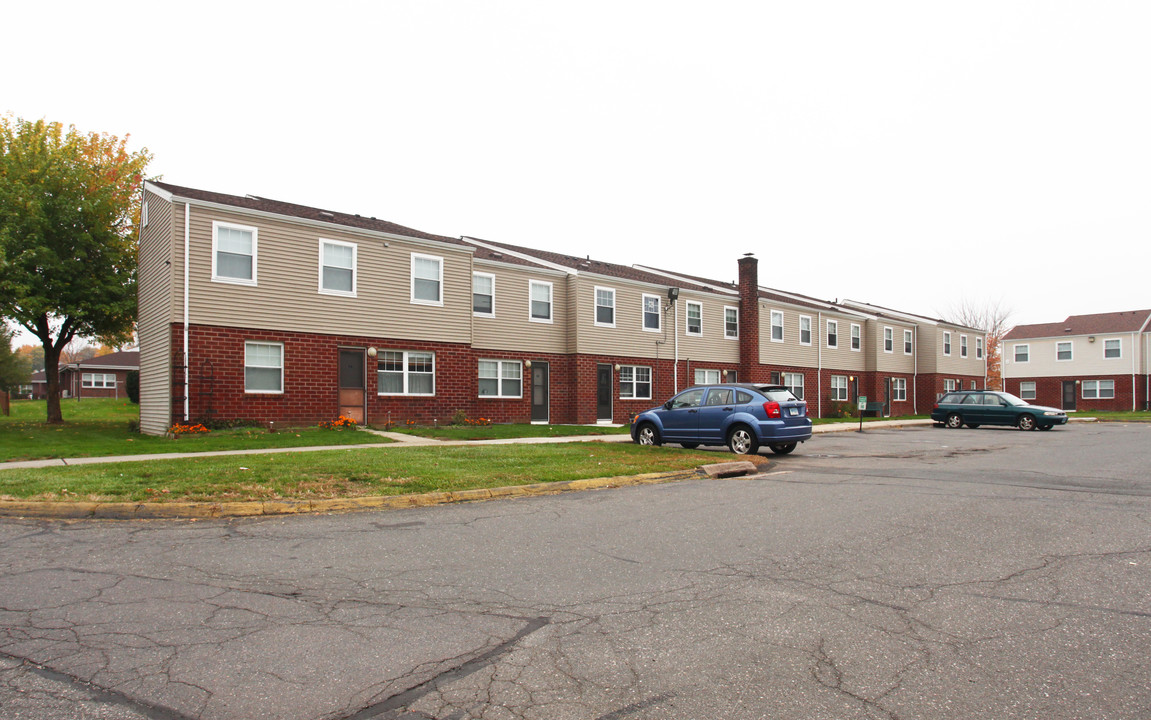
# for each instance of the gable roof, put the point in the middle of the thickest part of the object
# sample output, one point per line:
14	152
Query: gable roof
1126	321
119	360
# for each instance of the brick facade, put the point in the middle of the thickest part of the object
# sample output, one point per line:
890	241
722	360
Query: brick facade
1130	392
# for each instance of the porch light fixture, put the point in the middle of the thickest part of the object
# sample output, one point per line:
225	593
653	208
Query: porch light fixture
372	352
617	367
527	363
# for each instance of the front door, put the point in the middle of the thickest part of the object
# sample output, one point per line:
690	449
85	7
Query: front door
352	384
603	384
1068	394
540	392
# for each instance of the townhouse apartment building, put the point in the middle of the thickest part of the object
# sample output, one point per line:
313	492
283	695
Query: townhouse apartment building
1086	362
257	309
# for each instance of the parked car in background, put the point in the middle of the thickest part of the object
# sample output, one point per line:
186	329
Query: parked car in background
986	407
743	416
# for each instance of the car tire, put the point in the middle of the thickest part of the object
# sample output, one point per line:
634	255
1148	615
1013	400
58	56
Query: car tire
1046	427
1025	422
782	448
647	435
690	446
742	441
972	425
954	421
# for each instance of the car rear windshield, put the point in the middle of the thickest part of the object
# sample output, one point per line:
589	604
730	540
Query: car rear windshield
780	396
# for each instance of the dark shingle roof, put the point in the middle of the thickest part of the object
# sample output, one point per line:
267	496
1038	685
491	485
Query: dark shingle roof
1127	321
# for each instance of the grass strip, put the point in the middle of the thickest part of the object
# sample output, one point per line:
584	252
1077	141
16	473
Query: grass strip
516	430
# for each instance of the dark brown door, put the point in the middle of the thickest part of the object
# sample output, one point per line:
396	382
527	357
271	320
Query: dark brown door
603	409
352	384
539	392
1068	394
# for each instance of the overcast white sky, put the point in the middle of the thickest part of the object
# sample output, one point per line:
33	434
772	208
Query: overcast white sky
908	154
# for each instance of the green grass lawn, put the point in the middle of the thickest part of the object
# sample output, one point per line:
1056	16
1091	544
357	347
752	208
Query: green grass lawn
99	426
343	473
1107	416
517	430
829	421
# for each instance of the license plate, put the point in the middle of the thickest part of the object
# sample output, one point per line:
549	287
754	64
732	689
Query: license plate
793	411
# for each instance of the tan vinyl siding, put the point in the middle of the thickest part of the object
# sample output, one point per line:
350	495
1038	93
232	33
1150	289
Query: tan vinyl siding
287	296
153	323
511	329
843	357
955	363
1086	357
711	346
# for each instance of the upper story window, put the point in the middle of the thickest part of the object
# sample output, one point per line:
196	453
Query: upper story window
1063	350
946	343
888	340
605	307
234	253
483	294
908	338
962	346
694	318
856	338
541	301
776	326
406	372
979	348
833	333
1113	348
804	330
427	279
263	367
731	323
651	313
337	268
1022	353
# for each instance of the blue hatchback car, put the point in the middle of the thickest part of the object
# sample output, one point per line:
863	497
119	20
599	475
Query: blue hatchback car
742	416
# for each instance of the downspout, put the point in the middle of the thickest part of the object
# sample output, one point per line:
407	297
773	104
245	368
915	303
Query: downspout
1134	402
675	329
816	336
915	369
187	375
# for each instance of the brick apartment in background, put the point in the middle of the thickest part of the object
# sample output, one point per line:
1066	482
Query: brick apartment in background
259	309
99	377
1086	362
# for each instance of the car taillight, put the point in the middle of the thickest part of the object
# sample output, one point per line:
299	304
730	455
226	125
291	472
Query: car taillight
772	409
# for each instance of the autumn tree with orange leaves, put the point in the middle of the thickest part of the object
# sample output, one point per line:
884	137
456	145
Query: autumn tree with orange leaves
69	203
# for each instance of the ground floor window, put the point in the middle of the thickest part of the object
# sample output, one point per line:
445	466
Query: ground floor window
949	385
1098	389
263	367
707	377
794	383
1027	390
899	389
635	382
839	388
501	378
406	372
99	380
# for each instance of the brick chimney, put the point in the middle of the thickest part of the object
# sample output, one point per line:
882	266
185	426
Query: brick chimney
749	367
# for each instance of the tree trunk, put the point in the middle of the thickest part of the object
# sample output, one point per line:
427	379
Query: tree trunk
52	376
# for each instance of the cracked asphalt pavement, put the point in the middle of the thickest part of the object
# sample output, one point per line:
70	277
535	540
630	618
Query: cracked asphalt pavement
915	573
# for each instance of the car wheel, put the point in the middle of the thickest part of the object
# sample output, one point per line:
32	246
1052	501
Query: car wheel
972	425
690	446
741	440
647	435
954	421
1025	422
1045	427
782	448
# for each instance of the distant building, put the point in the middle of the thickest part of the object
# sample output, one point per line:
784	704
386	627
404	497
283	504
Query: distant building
100	377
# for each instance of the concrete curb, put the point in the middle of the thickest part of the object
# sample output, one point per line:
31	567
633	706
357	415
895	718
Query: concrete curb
194	510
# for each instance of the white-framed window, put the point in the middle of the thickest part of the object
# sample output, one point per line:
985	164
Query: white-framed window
652	317
1098	389
1027	390
337	267
804	330
833	333
1063	351
98	380
541	301
908	338
776	326
707	377
839	388
946	343
694	318
731	323
962	346
427	280
234	253
501	379
263	367
483	294
144	214
888	340
856	338
898	389
1113	348
973	385
794	383
1022	353
949	385
635	382
605	307
406	372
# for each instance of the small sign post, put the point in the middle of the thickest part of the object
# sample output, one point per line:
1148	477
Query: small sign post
861	403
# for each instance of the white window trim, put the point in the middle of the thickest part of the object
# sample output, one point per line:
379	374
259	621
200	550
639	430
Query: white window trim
978	348
492	277
283	362
1118	340
888	332
908	339
634	382
946	344
783	380
844	385
500	379
355	268
440	279
827	334
88	380
405	392
726	335
551	302
686	317
1015	353
643	311
595	306
718	376
1033	391
1072	349
216	225
898	389
809	331
962	345
772	326
856	332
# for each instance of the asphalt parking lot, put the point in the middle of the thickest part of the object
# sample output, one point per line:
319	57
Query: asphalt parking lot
915	573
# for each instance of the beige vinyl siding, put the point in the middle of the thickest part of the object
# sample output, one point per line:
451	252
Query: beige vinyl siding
1087	357
712	346
843	357
789	353
511	330
287	297
153	322
956	364
627	338
881	360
